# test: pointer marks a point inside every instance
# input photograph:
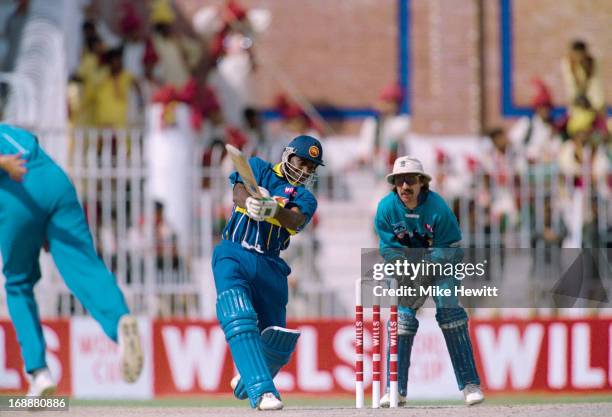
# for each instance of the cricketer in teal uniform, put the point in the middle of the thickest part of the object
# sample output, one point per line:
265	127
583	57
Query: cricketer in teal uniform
40	204
250	276
412	216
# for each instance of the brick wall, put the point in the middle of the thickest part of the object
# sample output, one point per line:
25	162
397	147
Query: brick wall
342	52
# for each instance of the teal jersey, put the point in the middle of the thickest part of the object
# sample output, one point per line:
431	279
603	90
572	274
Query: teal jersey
432	224
14	140
268	236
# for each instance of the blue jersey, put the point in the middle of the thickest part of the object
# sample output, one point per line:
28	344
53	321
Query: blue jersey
431	224
268	236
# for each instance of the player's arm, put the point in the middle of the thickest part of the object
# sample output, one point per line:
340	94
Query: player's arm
14	165
290	218
389	247
240	195
447	237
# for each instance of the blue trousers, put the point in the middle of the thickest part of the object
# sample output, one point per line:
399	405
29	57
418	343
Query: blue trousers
44	206
264	278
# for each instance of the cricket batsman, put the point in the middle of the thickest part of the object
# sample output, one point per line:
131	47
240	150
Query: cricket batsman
38	203
413	216
251	278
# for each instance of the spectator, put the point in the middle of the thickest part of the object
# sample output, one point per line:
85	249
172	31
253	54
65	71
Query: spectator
580	156
130	26
232	52
382	137
177	54
584	118
536	136
502	164
256	132
581	75
112	92
150	82
88	75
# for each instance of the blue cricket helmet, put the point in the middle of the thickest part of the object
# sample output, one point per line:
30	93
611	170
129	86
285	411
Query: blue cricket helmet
306	147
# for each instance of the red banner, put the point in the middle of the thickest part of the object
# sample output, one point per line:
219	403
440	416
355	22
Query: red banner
12	377
192	357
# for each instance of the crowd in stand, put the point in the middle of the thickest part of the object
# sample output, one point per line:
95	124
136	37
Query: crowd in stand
545	159
151	61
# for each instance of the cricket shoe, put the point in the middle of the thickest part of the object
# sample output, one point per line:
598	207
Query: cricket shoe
130	349
41	384
472	394
268	401
385	401
234	383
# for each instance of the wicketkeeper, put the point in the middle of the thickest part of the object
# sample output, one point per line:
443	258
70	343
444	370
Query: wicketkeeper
412	216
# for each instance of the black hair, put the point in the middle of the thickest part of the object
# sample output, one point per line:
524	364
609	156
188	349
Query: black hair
579	45
582	101
494	132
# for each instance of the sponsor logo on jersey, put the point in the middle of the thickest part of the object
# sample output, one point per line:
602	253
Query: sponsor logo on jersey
313	151
413	215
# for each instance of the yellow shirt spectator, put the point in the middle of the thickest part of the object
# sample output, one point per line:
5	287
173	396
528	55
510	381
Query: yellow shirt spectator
112	99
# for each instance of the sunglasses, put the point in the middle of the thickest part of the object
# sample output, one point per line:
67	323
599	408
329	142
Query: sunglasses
410	179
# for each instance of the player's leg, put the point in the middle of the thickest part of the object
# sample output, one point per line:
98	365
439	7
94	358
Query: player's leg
453	321
238	319
21	237
85	274
407	326
270	300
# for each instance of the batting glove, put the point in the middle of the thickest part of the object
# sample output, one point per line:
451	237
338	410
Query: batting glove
260	209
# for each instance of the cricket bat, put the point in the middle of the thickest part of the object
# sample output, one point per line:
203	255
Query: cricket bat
244	169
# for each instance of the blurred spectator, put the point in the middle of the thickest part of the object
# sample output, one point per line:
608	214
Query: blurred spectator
450	180
580	156
256	132
232	55
501	163
177	54
536	136
581	75
98	26
584	118
150	81
130	26
112	92
88	75
552	230
295	122
12	32
382	137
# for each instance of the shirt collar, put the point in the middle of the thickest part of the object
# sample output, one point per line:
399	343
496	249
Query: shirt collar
277	170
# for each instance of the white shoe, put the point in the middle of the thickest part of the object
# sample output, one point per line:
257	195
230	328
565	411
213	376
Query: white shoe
472	394
41	384
268	401
130	349
385	401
